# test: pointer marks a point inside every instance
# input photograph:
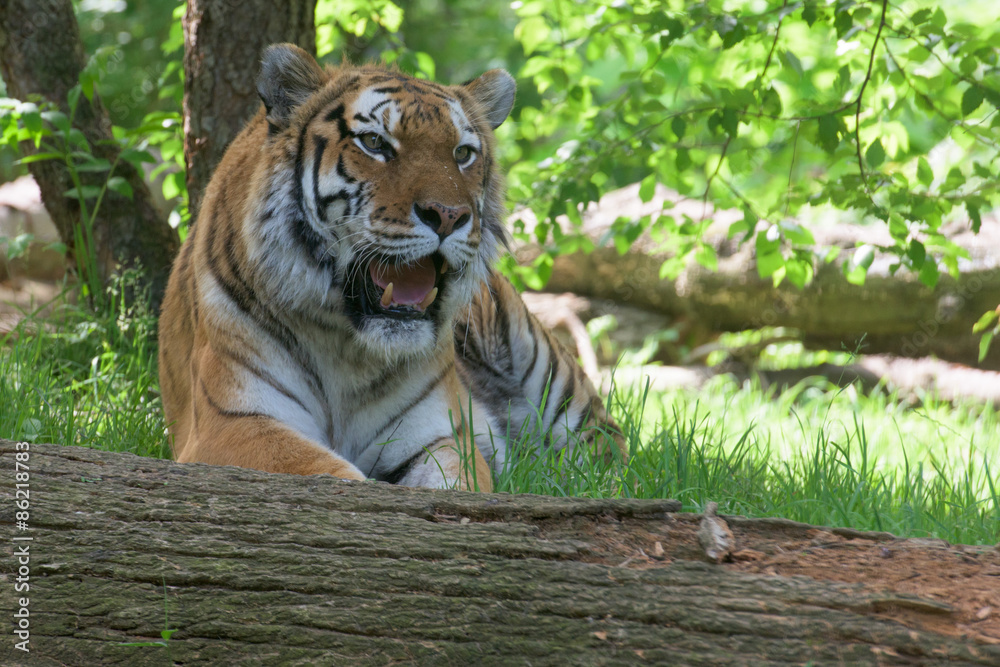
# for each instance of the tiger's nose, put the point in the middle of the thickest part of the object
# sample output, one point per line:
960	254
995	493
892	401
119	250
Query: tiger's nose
442	219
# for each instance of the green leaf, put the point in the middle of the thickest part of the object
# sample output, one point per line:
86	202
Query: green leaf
929	273
984	344
920	16
875	155
768	264
678	126
38	157
73	97
856	270
532	32
731	30
829	135
793	62
706	256
974	216
768	240
18	246
57	119
33	123
843	22
798	272
89	192
986	320
682	160
971	99
796	233
136	157
120	185
924	172
730	122
809	12
93	164
916	252
647	188
864	256
87	87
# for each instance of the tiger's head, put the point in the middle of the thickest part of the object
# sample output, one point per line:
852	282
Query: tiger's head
383	203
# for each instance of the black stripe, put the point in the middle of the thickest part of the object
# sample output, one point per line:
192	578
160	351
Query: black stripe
336	115
259	373
342	171
534	343
564	400
424	393
240	293
399	472
233	414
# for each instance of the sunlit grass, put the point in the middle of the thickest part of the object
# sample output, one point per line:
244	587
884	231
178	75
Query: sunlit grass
815	454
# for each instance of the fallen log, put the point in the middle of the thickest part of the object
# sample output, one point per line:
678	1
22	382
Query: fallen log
249	567
895	314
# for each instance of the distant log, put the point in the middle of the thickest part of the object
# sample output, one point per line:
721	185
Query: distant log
889	314
250	567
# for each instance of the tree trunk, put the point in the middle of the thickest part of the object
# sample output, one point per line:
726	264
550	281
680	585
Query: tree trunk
894	314
41	54
254	568
223	43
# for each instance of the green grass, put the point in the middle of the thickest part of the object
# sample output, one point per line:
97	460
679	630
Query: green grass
76	378
813	453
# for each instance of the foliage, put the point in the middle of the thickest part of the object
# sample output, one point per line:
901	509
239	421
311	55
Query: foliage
71	374
772	107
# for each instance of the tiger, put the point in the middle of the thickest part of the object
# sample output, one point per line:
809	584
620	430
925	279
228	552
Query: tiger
336	308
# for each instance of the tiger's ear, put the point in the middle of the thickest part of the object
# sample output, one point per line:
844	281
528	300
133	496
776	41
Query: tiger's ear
288	77
494	91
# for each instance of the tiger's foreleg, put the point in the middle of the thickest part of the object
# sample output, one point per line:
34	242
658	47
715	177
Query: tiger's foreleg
224	432
449	464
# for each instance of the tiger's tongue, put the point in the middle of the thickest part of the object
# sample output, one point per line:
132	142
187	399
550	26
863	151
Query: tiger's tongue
410	283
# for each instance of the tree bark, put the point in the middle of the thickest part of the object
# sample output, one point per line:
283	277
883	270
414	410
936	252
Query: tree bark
890	313
41	55
250	567
223	43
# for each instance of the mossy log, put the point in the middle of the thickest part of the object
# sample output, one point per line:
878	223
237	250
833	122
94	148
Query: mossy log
256	568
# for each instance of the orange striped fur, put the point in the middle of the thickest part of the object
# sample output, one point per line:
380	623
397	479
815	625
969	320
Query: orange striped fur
334	308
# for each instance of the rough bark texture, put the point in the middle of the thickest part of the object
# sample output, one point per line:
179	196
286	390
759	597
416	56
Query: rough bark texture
893	314
253	568
223	42
41	55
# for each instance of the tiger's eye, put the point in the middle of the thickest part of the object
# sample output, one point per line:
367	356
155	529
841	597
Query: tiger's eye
463	154
373	141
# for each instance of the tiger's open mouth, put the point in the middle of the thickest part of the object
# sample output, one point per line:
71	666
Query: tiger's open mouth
387	288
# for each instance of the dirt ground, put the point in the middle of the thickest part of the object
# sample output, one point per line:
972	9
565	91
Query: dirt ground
927	584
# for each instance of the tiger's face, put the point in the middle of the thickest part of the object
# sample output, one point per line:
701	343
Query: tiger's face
398	188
